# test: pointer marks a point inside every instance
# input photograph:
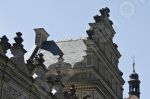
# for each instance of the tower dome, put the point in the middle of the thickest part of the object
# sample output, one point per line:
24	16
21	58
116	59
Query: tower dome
134	83
134	76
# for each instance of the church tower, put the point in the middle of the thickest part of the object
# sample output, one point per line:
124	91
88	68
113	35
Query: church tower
134	84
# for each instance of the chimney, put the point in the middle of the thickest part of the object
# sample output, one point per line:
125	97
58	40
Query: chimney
41	36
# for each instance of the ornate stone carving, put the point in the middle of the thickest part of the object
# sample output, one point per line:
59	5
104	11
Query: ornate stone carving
39	60
111	22
17	49
105	11
97	18
72	90
18	52
71	94
4	45
30	65
58	77
18	39
90	33
38	66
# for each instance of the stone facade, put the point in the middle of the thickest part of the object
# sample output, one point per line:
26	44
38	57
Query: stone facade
91	64
16	81
75	69
20	80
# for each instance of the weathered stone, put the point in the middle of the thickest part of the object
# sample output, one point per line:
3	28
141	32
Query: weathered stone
39	60
41	36
90	33
18	52
105	11
30	65
97	18
4	45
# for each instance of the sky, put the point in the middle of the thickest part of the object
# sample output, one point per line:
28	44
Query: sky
68	19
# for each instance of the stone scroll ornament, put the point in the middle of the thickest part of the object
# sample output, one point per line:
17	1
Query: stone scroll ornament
4	45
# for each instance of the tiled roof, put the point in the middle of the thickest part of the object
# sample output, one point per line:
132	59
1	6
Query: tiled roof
73	50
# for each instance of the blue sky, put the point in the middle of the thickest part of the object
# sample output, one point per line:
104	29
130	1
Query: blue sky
66	19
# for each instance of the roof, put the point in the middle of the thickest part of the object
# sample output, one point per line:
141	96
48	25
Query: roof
52	47
73	51
133	97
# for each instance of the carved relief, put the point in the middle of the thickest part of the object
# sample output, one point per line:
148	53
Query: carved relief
11	93
88	94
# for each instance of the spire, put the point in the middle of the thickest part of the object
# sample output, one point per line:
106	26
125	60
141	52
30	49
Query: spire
133	65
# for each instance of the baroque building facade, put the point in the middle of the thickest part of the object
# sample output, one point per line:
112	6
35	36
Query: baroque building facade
16	81
91	64
74	69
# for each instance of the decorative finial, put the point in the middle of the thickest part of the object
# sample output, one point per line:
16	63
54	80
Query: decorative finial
18	52
18	39
4	45
133	64
18	42
90	33
97	18
4	39
105	11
